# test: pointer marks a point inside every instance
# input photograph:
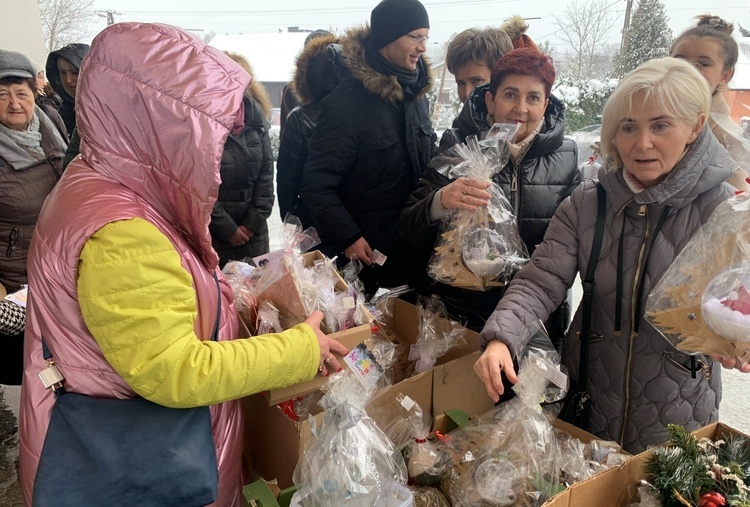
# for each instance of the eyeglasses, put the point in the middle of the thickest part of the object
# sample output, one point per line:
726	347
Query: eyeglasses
416	40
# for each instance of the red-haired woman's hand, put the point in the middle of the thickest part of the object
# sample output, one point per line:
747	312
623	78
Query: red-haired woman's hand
466	194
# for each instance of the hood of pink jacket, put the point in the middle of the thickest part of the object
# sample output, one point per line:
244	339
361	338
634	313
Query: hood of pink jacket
154	106
166	101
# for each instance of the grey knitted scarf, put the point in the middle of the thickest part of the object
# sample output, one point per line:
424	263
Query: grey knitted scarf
29	139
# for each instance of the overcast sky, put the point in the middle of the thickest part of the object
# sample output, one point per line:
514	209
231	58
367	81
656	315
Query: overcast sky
446	16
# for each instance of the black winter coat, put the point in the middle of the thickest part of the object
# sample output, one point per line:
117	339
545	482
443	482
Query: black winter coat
246	190
74	53
373	140
535	186
317	73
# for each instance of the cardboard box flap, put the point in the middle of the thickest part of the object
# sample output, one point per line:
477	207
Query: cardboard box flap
350	338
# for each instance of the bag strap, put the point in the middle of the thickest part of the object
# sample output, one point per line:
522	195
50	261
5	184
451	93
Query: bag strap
588	288
47	355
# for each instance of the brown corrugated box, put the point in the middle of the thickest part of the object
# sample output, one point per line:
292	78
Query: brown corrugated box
276	442
617	486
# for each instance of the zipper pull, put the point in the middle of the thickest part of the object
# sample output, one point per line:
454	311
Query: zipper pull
514	182
643	210
12	239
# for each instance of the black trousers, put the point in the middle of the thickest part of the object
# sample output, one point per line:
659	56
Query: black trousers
11	359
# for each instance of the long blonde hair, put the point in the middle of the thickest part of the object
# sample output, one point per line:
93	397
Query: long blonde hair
255	90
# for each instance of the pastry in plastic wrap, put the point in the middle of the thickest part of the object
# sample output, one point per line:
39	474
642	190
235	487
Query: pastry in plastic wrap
726	304
429	497
350	461
478	249
701	302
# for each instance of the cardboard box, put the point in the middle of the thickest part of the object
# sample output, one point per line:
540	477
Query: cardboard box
276	442
350	338
288	300
616	487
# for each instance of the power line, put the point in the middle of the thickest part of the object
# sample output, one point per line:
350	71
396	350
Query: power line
327	10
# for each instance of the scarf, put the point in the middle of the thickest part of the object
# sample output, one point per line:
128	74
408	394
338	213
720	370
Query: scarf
634	185
405	77
29	139
518	150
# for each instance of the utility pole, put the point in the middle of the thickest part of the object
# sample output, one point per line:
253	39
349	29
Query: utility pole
110	15
626	25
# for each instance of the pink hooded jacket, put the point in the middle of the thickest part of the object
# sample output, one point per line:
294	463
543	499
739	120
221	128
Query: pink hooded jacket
155	105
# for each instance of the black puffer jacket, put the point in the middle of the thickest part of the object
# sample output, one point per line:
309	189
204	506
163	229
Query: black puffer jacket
246	190
471	121
535	186
373	140
318	71
74	53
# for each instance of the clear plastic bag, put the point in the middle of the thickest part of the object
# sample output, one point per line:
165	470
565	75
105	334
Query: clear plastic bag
518	458
701	304
437	334
351	461
478	249
411	431
267	320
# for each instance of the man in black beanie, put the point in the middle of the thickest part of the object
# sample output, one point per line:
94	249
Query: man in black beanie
372	143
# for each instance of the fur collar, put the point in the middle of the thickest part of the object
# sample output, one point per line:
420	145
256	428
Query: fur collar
301	82
386	87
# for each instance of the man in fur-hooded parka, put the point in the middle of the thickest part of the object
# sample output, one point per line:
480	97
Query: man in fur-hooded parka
318	71
372	143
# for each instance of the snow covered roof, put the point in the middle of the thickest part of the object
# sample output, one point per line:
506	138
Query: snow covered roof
741	79
271	55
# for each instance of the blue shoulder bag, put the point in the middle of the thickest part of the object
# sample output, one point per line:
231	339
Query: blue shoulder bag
126	452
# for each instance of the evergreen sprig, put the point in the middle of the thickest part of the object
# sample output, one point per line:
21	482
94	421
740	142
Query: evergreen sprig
735	453
686	469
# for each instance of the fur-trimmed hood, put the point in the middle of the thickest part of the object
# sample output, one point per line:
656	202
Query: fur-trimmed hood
386	87
318	69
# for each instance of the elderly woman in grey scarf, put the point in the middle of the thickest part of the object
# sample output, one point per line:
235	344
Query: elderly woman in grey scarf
32	147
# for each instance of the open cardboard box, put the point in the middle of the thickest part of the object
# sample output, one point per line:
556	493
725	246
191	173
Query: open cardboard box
617	486
350	338
287	299
276	443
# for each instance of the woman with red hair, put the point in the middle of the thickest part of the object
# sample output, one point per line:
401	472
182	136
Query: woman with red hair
541	172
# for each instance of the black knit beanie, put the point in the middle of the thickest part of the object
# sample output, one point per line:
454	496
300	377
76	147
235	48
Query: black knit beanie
391	19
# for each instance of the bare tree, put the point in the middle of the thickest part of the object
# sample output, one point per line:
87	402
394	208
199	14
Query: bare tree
65	21
585	25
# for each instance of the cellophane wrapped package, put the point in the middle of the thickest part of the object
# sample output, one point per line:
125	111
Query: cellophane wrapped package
513	455
702	303
351	461
478	249
425	462
437	334
275	279
267	320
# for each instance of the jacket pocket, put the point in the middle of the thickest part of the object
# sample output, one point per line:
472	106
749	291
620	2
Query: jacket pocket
594	337
693	365
382	159
427	138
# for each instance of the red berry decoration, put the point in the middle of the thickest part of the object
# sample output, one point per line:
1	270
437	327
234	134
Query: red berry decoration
712	499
